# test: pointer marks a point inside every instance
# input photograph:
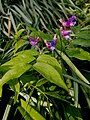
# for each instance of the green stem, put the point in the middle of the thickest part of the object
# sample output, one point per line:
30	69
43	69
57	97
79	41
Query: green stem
72	66
7	110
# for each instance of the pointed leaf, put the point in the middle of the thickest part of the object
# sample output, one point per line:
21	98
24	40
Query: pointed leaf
18	33
25	56
48	59
78	53
50	74
56	95
51	61
25	115
32	112
85	34
82	42
15	72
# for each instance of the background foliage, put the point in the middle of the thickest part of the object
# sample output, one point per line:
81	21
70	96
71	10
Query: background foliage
40	14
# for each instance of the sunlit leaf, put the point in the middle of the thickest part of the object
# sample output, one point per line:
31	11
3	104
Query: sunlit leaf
18	33
50	74
32	112
26	56
14	72
25	115
51	61
41	82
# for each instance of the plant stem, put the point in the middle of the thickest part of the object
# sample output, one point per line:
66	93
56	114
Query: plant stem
72	66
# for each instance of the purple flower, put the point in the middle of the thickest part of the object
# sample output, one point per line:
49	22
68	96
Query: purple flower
33	41
65	27
70	22
51	44
66	34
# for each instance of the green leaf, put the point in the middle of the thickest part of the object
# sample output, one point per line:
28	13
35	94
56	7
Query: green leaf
27	78
51	61
14	72
25	56
85	34
44	36
50	74
82	42
15	86
56	95
32	112
29	53
25	115
18	44
18	33
41	82
0	90
78	53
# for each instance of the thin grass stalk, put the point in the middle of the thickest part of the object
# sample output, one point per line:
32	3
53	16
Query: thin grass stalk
86	96
76	92
77	80
9	27
7	110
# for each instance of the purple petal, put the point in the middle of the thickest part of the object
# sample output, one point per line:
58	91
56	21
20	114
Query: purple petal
64	32
69	22
72	23
33	41
52	48
67	37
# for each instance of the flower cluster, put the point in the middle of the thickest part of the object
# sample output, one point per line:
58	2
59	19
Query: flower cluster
65	27
49	44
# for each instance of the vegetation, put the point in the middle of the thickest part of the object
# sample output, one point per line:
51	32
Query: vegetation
44	60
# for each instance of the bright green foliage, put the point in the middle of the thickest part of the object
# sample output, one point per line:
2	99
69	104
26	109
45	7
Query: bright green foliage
29	111
51	61
47	71
17	66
